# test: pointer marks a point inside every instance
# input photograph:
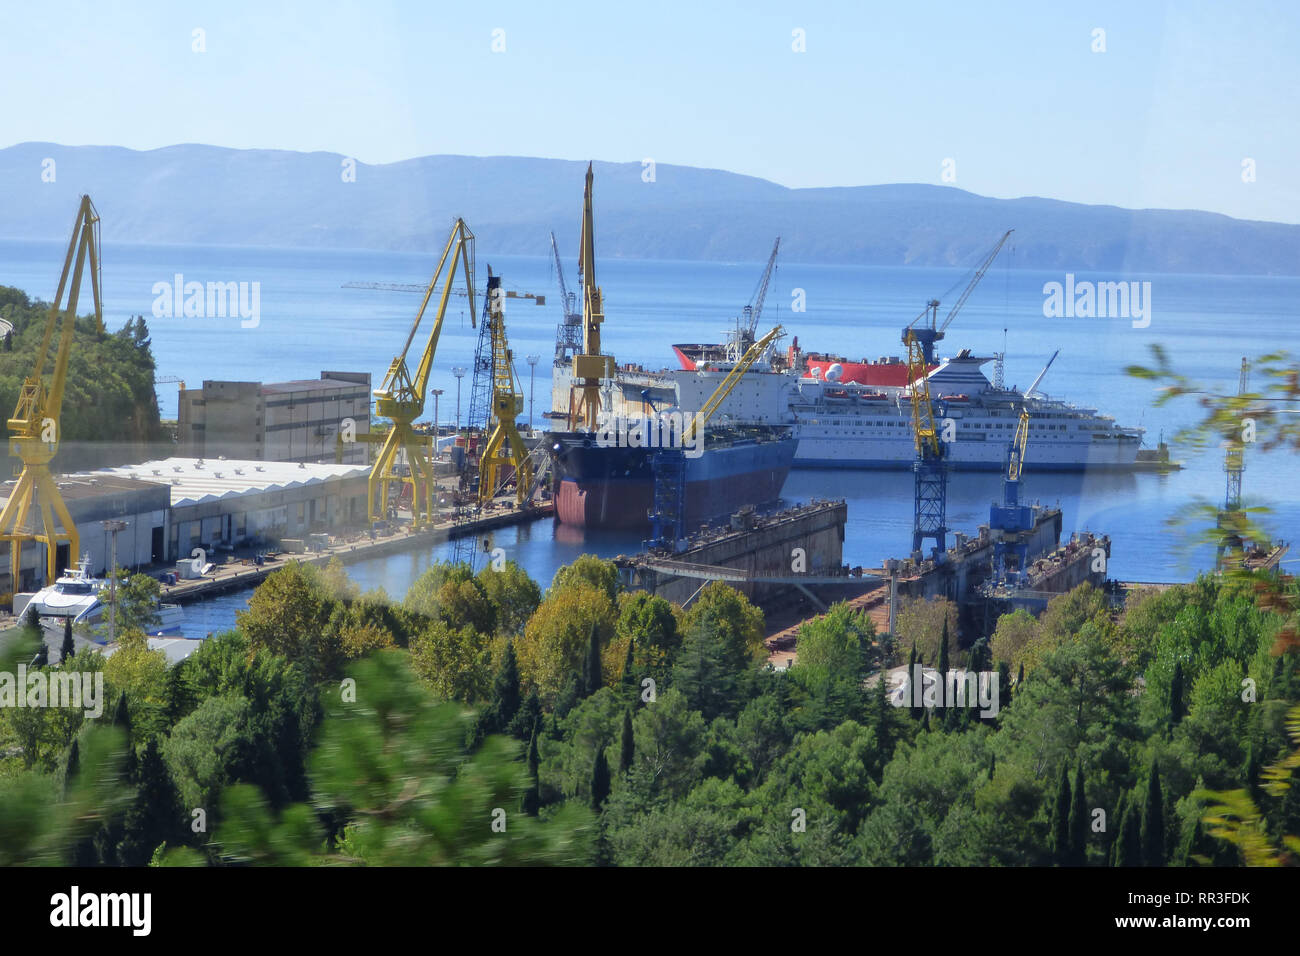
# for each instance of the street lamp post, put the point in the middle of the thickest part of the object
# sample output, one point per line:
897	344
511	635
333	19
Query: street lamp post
112	526
459	372
436	425
532	372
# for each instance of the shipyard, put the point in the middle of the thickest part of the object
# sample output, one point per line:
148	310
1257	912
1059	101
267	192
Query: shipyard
650	439
695	459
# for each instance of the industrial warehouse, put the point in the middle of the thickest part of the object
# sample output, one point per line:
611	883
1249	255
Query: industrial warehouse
172	506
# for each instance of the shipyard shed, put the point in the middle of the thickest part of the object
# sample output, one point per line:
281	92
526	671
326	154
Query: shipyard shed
92	499
222	503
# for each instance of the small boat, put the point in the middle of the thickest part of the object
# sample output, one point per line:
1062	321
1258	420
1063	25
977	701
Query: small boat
75	595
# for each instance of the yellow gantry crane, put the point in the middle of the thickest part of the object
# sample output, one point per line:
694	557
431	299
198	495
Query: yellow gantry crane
590	366
504	448
401	397
35	427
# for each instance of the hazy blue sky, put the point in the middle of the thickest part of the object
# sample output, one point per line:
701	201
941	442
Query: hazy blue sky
885	92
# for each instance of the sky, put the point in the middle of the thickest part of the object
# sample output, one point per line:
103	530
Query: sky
1005	99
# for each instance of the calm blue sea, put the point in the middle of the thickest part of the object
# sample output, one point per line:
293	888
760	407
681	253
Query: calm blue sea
309	323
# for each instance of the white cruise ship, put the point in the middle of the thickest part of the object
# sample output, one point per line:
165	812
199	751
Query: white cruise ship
856	426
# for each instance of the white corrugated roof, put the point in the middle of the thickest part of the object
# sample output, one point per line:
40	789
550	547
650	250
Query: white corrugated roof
194	480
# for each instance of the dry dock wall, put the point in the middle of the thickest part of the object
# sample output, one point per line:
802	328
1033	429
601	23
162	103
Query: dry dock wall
765	548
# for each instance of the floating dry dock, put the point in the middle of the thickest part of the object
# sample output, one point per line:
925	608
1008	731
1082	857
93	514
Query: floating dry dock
769	557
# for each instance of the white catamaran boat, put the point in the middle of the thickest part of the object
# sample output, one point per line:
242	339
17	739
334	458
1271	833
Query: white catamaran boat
76	595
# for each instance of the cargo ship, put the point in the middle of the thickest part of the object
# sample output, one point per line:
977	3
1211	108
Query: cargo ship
601	486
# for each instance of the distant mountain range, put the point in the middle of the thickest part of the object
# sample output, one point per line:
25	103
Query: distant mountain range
212	195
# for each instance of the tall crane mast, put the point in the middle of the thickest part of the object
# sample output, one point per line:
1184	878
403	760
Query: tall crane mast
1010	520
401	397
505	447
755	308
568	335
668	513
930	505
1231	525
36	426
590	366
932	332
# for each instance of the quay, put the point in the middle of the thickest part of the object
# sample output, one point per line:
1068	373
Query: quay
348	547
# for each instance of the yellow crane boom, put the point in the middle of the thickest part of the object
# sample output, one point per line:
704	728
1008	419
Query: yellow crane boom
35	426
402	395
714	401
1017	463
923	430
589	367
505	447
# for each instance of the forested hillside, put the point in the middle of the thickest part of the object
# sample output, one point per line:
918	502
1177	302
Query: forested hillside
598	726
110	412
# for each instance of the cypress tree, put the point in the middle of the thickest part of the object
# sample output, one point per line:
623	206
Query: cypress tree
1153	821
1060	817
627	748
1004	689
1078	822
592	678
526	718
914	709
943	664
505	691
1128	850
68	648
532	799
71	766
155	815
628	681
31	617
121	714
567	699
1176	695
599	780
1115	828
42	658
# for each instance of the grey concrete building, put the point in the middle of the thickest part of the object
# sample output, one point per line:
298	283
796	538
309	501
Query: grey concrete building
278	421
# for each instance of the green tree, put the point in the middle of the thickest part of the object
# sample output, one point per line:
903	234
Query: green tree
390	770
1079	818
1176	704
627	746
599	781
137	603
557	639
289	614
1061	819
588	569
505	693
514	595
592	673
1153	821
